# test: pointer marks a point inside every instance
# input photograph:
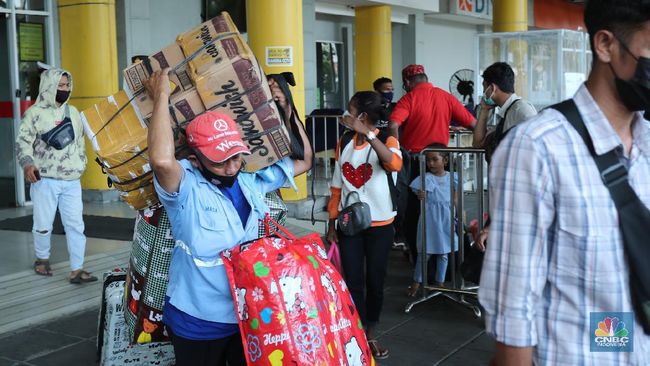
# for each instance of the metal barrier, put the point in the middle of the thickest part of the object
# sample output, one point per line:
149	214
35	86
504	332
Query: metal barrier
322	138
458	289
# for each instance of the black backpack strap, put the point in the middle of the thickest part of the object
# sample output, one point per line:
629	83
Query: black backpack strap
383	137
612	171
634	216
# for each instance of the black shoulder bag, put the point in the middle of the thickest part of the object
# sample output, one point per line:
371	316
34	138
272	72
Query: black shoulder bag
355	218
62	135
634	216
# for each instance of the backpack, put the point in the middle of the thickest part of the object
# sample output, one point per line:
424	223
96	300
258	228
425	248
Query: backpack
347	137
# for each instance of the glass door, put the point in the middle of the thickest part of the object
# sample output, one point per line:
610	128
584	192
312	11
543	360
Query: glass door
26	31
330	73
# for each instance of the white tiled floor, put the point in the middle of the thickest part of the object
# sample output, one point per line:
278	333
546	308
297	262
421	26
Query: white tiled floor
27	299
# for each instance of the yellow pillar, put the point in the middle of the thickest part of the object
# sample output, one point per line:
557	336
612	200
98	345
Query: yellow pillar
275	34
372	45
89	52
510	16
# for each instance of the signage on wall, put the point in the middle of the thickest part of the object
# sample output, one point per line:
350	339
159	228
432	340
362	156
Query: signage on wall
30	42
473	8
279	56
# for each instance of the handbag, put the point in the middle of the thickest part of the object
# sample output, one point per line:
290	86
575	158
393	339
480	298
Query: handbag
62	135
355	218
634	216
334	256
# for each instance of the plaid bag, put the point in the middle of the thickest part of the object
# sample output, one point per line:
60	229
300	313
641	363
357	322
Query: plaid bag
148	275
277	211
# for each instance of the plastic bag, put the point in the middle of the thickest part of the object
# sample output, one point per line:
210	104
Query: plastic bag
293	305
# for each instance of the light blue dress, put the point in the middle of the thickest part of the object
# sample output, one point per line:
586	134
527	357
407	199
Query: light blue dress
438	217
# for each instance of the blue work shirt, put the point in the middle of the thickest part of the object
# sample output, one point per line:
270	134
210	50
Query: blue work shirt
204	222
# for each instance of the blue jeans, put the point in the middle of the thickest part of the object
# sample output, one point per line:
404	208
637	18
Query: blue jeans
441	268
48	194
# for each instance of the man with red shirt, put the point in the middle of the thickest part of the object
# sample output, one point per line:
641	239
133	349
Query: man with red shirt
422	117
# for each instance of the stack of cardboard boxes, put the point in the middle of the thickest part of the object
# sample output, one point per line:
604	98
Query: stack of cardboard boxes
211	68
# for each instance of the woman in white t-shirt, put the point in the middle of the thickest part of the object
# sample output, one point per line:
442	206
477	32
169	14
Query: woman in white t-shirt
364	165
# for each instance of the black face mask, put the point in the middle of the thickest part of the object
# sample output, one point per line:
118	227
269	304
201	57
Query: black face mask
226	181
635	93
388	97
62	96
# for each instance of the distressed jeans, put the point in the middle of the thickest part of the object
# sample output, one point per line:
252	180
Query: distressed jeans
48	194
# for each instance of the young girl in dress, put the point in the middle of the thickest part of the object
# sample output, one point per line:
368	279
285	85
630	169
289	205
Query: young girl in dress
437	196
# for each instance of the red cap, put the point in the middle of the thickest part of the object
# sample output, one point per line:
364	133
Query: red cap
412	70
216	136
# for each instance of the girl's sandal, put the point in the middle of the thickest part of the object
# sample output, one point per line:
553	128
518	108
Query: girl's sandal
413	290
377	352
42	267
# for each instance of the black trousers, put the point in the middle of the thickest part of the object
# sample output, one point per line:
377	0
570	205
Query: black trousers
408	200
364	258
218	352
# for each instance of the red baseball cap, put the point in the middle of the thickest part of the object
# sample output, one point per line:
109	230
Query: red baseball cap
412	70
216	136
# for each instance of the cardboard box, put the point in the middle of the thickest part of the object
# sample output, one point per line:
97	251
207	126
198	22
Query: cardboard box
193	40
170	56
119	138
114	125
141	198
233	83
185	106
222	51
239	90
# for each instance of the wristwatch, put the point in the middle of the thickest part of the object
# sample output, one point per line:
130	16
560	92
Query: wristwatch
370	136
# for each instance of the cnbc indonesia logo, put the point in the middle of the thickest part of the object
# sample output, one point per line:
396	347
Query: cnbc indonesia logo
611	333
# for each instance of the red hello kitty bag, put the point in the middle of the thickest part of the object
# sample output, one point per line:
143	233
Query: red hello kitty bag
293	305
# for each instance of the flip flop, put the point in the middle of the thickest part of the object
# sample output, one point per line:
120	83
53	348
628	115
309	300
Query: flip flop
377	352
46	269
78	278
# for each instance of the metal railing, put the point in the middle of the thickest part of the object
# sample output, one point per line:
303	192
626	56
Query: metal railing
458	290
321	125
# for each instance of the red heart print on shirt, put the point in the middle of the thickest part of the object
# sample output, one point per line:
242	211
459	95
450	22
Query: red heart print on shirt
356	176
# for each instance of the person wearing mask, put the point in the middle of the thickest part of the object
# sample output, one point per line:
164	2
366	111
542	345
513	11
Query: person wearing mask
212	206
421	118
499	99
362	165
556	279
384	86
50	148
